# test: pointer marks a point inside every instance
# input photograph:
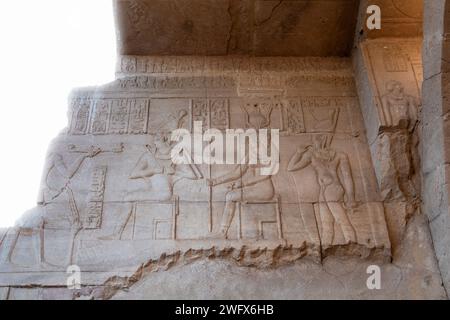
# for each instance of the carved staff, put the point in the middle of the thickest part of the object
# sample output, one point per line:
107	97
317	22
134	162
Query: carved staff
3	237
210	208
77	149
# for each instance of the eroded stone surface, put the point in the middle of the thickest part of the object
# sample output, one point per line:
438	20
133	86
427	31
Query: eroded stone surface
348	193
111	198
221	27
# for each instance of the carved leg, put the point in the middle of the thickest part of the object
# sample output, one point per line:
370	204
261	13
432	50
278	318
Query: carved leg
341	217
227	217
41	248
327	219
41	245
13	245
230	207
118	232
74	233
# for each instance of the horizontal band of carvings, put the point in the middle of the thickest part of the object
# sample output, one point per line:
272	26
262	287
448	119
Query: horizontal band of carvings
133	116
259	81
189	65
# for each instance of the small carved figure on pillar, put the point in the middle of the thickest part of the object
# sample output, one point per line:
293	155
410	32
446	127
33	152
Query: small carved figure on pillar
396	143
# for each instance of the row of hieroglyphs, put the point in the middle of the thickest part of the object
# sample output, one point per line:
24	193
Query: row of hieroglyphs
116	116
134	116
252	80
150	64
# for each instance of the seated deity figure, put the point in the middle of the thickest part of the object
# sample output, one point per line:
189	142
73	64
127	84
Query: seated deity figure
247	185
335	197
156	168
157	171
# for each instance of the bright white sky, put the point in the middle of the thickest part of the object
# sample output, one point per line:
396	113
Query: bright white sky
47	47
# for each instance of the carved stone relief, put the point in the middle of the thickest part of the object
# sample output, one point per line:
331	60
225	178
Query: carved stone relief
397	95
213	113
335	197
390	61
112	198
109	116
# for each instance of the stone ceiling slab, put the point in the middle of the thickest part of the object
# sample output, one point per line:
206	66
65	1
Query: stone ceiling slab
222	27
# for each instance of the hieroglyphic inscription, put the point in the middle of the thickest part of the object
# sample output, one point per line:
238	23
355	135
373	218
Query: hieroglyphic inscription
160	65
100	116
94	214
295	119
394	59
312	114
139	109
174	83
200	112
81	109
120	116
110	116
213	113
220	117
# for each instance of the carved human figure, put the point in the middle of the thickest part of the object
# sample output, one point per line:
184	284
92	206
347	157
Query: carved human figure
247	185
157	169
400	111
399	108
57	182
336	196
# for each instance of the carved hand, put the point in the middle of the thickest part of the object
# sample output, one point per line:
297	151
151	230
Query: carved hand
94	151
302	149
211	182
235	185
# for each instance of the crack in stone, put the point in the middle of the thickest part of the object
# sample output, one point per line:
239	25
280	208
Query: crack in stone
272	12
433	76
232	25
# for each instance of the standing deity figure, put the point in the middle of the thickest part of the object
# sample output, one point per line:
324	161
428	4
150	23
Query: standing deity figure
401	114
399	108
336	197
57	183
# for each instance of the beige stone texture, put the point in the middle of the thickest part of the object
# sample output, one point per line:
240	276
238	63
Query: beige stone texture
222	27
362	177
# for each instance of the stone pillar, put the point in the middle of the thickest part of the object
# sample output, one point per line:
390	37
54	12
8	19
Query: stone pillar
436	129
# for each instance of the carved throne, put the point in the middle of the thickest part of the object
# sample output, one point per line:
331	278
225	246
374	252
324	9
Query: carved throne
262	224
